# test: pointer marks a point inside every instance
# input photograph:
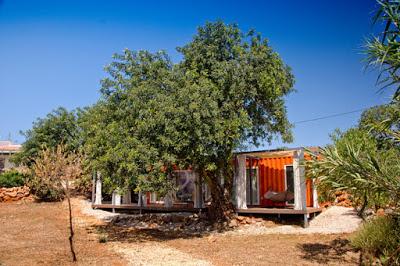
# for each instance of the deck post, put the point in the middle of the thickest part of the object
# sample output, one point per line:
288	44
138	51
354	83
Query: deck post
241	182
93	187
198	192
116	198
305	224
299	181
315	195
142	201
126	198
98	197
168	201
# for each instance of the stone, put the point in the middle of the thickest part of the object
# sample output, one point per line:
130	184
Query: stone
240	218
233	223
211	239
12	193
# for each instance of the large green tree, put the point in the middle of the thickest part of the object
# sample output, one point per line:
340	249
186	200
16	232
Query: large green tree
228	90
124	132
234	91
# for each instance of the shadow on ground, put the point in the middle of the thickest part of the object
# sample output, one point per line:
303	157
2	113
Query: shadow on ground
152	227
335	251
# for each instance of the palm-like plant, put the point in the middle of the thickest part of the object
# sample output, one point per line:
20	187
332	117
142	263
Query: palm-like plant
371	178
383	52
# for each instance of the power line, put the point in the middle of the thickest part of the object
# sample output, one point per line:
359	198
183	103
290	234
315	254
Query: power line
330	116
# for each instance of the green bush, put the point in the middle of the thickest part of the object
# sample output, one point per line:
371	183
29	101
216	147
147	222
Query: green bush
12	179
48	193
45	190
379	239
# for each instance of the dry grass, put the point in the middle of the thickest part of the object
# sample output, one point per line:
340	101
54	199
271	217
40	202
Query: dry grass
37	234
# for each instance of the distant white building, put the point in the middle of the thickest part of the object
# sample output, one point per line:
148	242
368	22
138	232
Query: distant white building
7	148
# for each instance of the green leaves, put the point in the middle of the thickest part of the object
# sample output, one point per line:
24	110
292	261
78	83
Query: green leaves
58	127
355	164
384	53
155	115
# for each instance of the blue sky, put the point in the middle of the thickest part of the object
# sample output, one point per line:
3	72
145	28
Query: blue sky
52	53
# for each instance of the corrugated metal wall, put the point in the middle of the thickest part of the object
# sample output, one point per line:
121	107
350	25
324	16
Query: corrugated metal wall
272	176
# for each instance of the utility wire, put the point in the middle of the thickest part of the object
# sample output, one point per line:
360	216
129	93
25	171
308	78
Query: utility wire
330	116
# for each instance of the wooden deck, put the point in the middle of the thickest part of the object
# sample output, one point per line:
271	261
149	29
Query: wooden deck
148	208
290	211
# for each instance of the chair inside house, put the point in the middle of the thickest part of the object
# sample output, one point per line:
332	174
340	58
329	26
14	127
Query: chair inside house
275	196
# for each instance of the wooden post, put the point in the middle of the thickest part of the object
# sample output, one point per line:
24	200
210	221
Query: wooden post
126	198
299	181
241	182
98	198
168	201
142	199
305	223
116	198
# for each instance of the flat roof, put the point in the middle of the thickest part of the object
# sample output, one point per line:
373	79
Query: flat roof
277	152
7	146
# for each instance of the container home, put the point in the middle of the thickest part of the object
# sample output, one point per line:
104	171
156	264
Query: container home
265	182
274	182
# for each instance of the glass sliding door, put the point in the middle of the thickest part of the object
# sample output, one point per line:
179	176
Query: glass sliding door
252	187
289	179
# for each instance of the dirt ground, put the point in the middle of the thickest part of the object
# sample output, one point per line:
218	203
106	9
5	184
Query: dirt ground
36	233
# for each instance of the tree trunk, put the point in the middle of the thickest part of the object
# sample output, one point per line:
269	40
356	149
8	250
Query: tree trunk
71	229
363	207
221	206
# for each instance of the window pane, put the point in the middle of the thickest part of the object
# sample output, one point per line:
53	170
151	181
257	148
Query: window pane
290	180
185	183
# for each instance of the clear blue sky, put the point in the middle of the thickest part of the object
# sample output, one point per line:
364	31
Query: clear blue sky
52	53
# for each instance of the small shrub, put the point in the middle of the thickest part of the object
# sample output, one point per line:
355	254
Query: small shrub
46	191
12	179
379	238
103	238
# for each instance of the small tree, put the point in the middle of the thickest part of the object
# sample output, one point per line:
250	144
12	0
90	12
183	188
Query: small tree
59	126
58	168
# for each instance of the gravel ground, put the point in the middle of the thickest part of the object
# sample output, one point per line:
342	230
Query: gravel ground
322	243
334	220
86	208
156	254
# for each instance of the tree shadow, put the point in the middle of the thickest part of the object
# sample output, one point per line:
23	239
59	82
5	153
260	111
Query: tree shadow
336	250
128	232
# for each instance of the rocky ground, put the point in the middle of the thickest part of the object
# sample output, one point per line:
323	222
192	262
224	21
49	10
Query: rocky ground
15	194
244	240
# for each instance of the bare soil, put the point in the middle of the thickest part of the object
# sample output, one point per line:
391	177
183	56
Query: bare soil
36	233
271	250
